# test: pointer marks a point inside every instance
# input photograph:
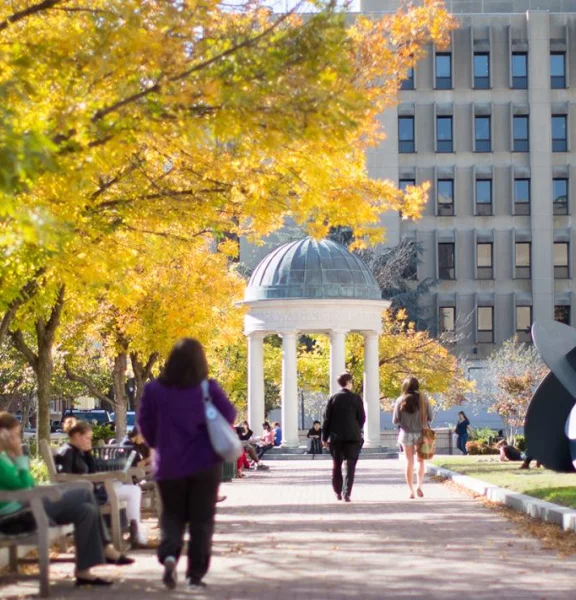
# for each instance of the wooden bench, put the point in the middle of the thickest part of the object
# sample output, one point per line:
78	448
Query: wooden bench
45	534
113	506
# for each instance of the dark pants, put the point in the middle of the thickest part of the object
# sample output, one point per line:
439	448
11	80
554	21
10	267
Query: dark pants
189	501
344	451
79	506
315	446
461	443
263	449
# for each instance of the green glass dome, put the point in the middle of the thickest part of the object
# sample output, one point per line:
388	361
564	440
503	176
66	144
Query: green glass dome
312	269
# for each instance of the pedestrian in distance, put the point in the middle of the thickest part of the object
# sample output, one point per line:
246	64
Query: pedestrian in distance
407	414
344	419
315	439
188	471
461	430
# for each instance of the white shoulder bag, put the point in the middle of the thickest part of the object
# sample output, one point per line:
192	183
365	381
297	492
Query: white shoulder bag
224	439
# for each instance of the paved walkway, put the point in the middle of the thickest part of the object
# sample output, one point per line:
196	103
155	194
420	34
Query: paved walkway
282	535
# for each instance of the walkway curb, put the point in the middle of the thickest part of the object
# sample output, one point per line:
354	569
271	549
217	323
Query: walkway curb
539	509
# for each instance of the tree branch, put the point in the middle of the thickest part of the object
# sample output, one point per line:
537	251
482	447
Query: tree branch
25	294
27	12
56	313
89	385
22	347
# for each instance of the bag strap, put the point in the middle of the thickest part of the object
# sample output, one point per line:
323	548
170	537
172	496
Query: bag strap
423	413
205	390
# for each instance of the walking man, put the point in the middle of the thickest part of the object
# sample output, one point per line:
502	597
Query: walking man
342	434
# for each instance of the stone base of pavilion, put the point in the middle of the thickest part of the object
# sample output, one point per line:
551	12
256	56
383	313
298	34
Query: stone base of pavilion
300	453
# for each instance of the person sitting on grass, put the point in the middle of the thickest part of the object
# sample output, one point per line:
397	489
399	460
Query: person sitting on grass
77	506
508	453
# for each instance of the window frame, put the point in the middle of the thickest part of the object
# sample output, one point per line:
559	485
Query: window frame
485	272
560	144
558	82
407	146
481	82
408	84
482	144
443	83
485	336
441	319
483	209
561	271
523	271
519	82
560	208
522	208
444	209
524	334
520	144
444	146
568	310
449	270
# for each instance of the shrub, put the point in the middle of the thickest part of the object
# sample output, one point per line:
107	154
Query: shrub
473	448
484	434
520	443
39	470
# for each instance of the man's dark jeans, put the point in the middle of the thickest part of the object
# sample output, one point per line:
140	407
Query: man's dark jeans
263	449
344	451
189	501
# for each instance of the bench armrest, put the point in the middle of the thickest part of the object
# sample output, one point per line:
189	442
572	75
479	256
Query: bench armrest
94	477
137	472
49	492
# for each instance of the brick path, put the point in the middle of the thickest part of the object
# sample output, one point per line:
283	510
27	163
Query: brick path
282	535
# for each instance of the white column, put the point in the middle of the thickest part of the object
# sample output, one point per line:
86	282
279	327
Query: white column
289	390
371	390
256	380
337	358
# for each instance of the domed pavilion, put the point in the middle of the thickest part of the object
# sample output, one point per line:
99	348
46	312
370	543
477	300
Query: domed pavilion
311	286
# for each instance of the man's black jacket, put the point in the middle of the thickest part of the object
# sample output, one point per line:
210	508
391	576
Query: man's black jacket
71	460
344	417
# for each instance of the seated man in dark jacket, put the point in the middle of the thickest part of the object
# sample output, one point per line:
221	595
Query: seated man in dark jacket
342	433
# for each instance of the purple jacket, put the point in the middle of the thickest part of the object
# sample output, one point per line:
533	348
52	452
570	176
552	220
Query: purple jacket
172	421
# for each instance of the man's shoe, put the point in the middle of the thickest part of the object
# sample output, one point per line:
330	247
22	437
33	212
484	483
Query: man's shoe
80	581
347	499
262	467
221	498
196	584
169	579
121	561
338	496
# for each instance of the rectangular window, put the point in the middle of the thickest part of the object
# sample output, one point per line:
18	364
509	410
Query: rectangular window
520	131
520	70
482	134
562	313
447	318
483	197
560	196
446	262
484	258
485	333
408	83
445	197
523	323
559	133
406	135
521	196
481	70
522	260
561	265
557	70
443	71
444	134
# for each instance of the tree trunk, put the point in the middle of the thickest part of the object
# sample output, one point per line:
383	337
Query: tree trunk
120	397
44	377
142	373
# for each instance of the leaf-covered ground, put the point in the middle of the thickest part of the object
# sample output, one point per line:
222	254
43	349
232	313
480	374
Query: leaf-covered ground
538	482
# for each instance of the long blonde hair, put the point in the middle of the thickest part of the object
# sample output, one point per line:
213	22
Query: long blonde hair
410	395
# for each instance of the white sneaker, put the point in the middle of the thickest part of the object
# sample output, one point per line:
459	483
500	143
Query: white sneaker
169	578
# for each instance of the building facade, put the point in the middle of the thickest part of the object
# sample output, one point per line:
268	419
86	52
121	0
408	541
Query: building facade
490	122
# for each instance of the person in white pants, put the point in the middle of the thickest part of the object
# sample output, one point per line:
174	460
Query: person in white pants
76	457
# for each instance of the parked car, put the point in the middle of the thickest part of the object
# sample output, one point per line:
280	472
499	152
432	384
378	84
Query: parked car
94	417
130	420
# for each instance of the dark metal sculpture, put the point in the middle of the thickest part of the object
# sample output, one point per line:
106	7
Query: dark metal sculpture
550	425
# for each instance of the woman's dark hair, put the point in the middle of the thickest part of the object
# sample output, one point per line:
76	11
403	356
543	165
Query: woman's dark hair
266	426
132	434
410	395
79	428
344	379
463	414
186	366
8	420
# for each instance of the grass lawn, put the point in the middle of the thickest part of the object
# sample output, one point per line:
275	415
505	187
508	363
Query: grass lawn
559	488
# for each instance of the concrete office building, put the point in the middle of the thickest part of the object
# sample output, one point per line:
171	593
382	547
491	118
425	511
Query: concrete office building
490	121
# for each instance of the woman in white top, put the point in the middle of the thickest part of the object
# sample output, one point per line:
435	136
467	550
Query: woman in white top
407	417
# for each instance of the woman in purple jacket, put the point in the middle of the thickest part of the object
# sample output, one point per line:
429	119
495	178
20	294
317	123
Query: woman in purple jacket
186	468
